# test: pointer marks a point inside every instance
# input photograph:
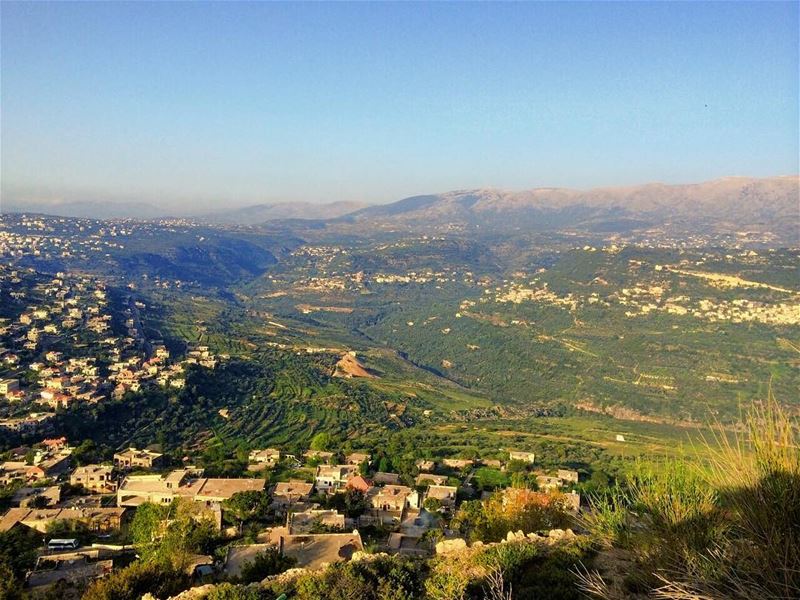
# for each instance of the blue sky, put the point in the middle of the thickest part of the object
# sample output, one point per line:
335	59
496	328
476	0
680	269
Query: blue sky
214	104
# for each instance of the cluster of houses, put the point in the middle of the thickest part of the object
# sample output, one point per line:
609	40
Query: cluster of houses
407	512
53	238
96	500
67	346
101	498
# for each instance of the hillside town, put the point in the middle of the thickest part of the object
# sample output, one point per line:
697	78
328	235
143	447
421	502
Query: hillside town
331	507
65	341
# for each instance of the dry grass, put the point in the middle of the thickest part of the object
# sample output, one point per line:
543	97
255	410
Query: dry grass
728	530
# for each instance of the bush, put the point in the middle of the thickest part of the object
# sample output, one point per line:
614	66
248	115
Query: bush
266	563
132	582
392	578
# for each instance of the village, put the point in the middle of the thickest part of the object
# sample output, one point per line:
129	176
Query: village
657	291
336	506
67	345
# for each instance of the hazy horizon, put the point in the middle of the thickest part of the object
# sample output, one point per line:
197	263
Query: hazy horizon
196	108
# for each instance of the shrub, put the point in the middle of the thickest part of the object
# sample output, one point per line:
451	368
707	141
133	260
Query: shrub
132	582
266	563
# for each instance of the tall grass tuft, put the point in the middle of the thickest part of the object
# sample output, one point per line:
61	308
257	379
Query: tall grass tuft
730	529
758	476
610	517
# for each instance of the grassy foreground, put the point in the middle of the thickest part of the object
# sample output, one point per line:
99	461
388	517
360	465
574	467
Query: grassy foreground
731	530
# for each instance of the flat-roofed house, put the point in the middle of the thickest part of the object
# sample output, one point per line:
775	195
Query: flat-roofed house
548	482
306	521
568	475
96	478
330	478
133	458
183	483
268	456
528	457
313	551
446	494
8	385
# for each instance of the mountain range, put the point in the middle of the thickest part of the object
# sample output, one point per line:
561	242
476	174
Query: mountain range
727	204
731	203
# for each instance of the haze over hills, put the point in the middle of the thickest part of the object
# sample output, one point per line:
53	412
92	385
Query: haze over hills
256	213
259	213
84	209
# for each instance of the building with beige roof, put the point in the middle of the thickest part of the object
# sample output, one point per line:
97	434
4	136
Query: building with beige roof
356	458
394	498
268	456
163	489
314	551
306	521
289	494
133	458
96	519
96	478
430	479
333	477
528	457
568	475
446	494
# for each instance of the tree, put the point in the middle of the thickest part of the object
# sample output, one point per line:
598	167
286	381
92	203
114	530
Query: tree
266	563
599	480
63	528
86	453
141	577
170	534
229	591
10	586
146	528
39	501
432	504
432	537
517	466
248	506
355	503
321	442
470	519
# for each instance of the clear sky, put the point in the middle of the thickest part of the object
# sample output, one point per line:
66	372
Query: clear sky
201	104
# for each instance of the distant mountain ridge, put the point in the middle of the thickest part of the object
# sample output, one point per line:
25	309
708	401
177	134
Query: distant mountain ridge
728	203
